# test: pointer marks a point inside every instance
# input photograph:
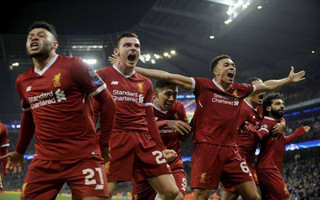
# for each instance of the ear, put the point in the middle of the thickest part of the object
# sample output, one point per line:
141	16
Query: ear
116	52
268	108
156	92
215	71
55	45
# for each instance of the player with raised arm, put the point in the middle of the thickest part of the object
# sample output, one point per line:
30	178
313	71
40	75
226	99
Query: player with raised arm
4	144
54	96
173	127
269	162
137	149
218	107
251	114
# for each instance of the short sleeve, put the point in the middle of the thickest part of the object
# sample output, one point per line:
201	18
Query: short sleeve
25	106
88	79
4	137
148	101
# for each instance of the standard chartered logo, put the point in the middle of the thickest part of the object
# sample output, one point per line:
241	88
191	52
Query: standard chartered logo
60	95
140	98
47	98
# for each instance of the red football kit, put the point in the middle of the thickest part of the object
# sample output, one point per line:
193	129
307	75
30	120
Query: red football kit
4	144
171	139
67	146
270	159
136	146
216	119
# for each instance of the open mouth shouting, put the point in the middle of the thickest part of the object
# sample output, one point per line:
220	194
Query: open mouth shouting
132	57
231	76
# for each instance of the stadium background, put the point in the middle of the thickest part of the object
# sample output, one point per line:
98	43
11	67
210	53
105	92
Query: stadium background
264	38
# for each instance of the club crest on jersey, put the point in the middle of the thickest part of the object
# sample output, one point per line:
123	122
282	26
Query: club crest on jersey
107	167
140	87
203	177
56	80
235	93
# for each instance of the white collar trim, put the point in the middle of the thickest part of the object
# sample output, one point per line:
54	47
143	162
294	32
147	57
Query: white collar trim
255	109
219	86
125	75
159	109
49	64
270	118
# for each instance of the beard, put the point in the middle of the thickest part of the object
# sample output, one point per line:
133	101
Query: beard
43	53
276	113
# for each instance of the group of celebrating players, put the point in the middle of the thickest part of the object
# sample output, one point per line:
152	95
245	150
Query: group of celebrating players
140	129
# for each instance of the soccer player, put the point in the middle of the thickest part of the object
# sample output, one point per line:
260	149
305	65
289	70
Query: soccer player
218	107
173	127
137	148
251	114
269	162
54	96
4	144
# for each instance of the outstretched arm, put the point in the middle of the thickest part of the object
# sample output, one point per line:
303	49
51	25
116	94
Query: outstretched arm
271	85
182	81
298	132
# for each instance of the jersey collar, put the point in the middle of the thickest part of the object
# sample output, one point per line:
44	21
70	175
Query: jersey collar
159	109
125	75
219	86
49	64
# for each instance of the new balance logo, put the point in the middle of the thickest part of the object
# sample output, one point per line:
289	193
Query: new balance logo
114	82
28	88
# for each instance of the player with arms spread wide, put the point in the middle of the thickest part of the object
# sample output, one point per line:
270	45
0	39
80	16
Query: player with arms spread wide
218	107
54	98
269	162
137	148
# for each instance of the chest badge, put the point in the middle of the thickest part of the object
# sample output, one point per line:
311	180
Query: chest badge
56	80
140	87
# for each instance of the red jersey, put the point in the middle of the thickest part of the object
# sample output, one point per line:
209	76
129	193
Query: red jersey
132	93
272	146
217	111
58	98
4	144
169	136
248	140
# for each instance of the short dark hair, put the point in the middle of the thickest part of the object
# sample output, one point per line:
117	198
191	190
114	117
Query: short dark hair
251	79
123	35
45	25
215	61
162	84
267	101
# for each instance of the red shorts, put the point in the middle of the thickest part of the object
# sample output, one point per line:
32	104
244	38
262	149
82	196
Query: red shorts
213	163
255	178
272	185
135	155
86	177
142	190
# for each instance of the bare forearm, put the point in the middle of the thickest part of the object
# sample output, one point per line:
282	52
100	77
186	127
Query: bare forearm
182	81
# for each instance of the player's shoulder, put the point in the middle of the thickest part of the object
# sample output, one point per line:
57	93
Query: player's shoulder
142	78
267	122
21	77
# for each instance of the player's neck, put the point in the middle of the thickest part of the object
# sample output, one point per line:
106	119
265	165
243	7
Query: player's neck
224	85
41	62
253	105
124	69
275	118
